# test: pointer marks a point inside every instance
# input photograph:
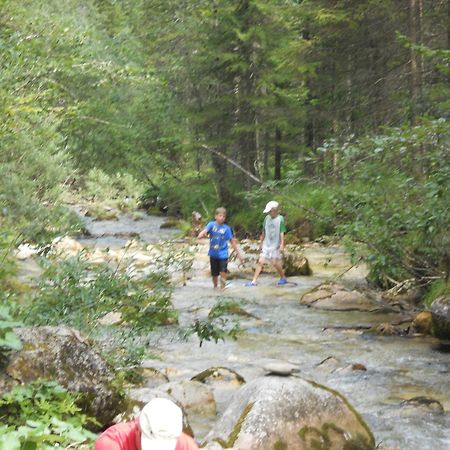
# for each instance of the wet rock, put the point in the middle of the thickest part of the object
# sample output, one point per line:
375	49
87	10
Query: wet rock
295	264
152	377
280	368
289	413
219	377
336	297
195	397
334	365
440	310
423	405
387	329
422	323
64	355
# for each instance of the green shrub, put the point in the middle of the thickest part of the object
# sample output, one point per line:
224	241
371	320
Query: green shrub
41	415
437	289
75	292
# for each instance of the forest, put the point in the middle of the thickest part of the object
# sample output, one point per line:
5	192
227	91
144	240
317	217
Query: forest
338	109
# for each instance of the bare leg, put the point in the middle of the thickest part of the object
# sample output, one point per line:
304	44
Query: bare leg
258	269
215	281
277	264
223	280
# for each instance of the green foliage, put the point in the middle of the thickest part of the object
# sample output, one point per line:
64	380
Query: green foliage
7	264
78	293
41	415
217	326
8	339
120	189
395	205
437	289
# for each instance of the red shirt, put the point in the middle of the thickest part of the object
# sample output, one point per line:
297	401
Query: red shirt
127	436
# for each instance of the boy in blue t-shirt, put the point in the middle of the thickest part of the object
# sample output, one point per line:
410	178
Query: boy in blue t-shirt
219	234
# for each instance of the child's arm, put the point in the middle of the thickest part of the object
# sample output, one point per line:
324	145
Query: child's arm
281	242
261	240
237	249
203	233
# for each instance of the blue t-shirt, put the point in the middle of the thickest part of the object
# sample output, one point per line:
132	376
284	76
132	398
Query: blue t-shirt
219	236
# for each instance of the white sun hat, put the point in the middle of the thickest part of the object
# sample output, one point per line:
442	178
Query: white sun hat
272	204
161	423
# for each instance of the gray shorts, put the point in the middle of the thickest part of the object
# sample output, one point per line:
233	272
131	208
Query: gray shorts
271	253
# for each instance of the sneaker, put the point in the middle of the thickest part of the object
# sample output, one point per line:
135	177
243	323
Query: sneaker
250	284
282	281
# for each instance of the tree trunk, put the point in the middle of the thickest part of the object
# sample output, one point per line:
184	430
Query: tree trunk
277	171
415	80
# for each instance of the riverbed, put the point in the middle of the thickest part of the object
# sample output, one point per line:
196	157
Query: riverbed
280	329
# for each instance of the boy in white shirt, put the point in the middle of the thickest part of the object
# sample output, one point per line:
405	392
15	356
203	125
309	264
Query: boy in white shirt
272	243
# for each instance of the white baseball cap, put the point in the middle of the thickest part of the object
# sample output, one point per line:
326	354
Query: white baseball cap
161	423
272	204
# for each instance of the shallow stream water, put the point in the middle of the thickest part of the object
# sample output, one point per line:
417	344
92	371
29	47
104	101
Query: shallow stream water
398	368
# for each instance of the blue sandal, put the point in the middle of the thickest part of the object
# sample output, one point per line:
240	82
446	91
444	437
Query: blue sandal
250	284
282	281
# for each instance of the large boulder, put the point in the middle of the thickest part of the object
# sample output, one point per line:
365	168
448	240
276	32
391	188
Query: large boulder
440	309
290	413
63	355
336	297
295	264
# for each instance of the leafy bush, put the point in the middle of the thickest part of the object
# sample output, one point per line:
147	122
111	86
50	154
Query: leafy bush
121	189
394	199
76	292
8	339
217	326
41	415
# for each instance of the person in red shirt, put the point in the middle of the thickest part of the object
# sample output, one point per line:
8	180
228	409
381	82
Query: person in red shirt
159	427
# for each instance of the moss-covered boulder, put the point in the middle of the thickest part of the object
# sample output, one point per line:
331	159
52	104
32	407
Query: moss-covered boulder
290	413
440	310
64	355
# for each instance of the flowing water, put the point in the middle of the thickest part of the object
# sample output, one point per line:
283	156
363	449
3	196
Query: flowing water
398	368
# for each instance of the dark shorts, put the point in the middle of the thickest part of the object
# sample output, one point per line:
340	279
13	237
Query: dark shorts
218	266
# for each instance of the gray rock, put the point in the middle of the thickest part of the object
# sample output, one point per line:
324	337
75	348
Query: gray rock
440	309
295	264
335	297
64	355
219	377
290	413
280	368
423	405
195	397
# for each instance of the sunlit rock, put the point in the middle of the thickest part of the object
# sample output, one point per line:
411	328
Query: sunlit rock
67	245
336	297
290	413
111	318
26	251
422	322
280	368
